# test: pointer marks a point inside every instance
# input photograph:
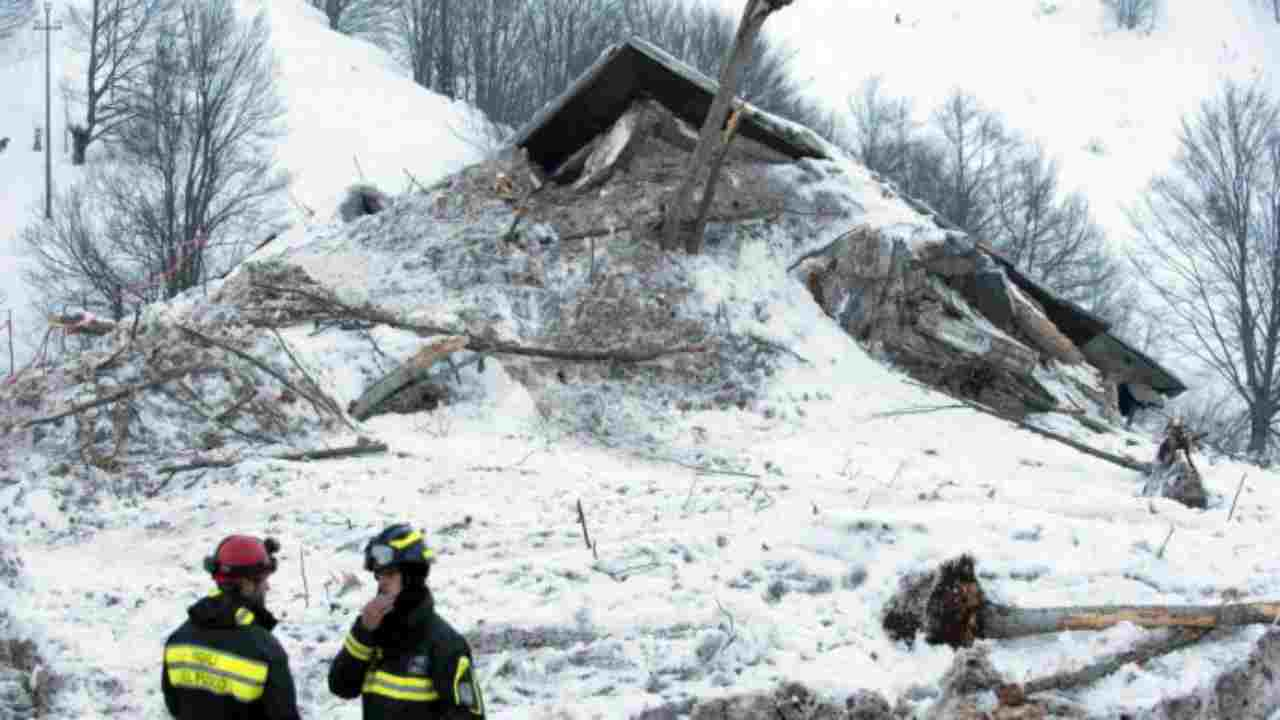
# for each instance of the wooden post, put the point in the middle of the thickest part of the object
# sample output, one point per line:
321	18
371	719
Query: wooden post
681	224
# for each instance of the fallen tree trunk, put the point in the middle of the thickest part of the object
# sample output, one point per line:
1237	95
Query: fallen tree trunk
950	606
1009	621
1015	694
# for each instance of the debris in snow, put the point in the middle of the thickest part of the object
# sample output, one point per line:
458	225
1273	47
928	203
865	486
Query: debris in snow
1174	474
362	199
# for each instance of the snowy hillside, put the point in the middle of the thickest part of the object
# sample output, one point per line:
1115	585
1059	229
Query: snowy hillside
351	115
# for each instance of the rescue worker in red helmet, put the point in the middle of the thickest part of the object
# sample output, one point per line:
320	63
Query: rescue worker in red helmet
223	662
401	657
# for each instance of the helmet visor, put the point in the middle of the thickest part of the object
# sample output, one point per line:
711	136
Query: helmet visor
378	557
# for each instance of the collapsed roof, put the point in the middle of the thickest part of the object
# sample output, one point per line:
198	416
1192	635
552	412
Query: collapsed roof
635	70
638	72
1090	333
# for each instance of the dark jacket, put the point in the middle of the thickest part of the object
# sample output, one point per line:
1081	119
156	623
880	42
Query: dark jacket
224	663
415	667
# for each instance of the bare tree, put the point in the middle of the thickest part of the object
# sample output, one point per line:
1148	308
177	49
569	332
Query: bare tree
1137	15
510	57
492	54
567	36
446	48
700	33
882	129
71	263
1209	240
415	36
973	140
365	18
657	21
1052	238
194	173
1274	5
113	34
15	14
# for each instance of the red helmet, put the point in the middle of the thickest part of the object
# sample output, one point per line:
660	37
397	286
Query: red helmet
242	556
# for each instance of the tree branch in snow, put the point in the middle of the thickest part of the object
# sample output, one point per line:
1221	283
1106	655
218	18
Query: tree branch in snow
332	404
582	520
732	631
318	404
119	394
479	344
778	347
197	465
1237	497
1120	460
1015	694
916	411
302	568
360	448
1167	538
219	418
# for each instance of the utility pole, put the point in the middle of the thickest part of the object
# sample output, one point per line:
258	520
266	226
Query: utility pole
47	28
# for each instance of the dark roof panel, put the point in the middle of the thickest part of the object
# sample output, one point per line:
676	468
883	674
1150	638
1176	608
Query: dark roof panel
637	69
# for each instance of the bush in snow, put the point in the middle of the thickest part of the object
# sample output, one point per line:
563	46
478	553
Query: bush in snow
1137	15
362	199
27	687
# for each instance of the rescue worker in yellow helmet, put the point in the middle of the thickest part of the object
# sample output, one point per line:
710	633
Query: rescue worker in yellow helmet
401	657
223	662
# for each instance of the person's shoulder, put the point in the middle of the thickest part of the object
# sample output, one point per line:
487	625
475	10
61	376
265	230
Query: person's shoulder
447	636
265	643
181	633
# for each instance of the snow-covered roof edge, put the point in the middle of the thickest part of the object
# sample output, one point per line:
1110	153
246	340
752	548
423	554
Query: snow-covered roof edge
793	139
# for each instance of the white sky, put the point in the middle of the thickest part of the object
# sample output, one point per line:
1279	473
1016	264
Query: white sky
103	585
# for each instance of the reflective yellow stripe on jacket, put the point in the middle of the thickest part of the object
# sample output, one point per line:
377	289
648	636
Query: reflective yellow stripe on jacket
221	673
476	703
358	650
399	687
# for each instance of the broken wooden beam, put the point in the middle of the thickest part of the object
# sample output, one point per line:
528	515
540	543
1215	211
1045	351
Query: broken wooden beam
411	371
